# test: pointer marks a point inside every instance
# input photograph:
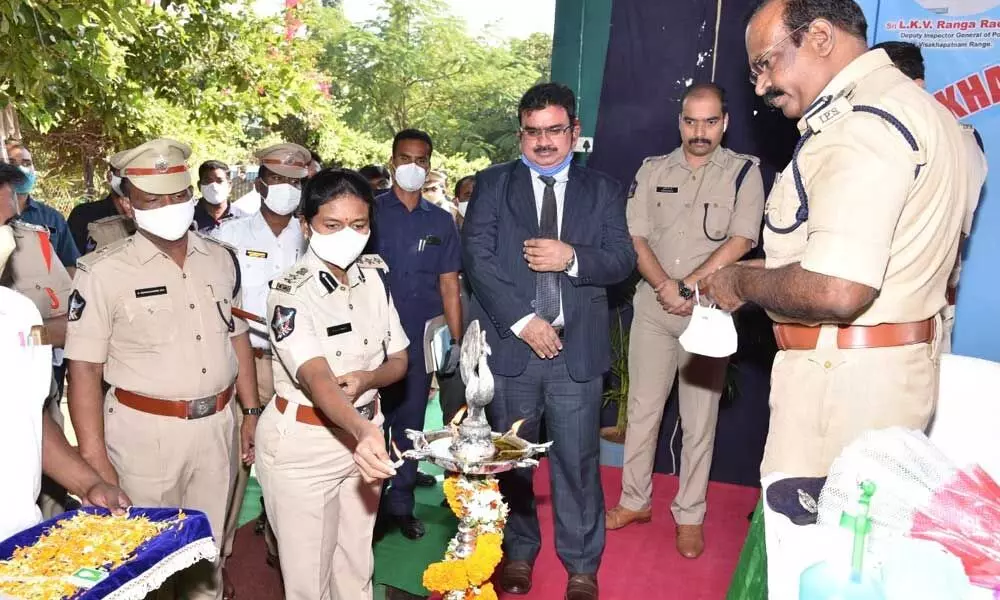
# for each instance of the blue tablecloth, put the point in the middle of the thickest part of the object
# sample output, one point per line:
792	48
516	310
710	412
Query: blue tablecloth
180	545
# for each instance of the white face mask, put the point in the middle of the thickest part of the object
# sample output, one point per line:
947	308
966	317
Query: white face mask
341	248
167	222
7	244
282	198
216	193
116	184
410	176
711	332
462	207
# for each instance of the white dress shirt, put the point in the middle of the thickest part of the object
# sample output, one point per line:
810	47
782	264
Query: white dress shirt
26	372
538	186
262	257
249	202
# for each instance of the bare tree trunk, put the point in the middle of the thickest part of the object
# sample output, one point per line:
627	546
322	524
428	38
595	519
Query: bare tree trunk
88	175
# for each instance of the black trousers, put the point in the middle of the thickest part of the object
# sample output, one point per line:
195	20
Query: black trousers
572	422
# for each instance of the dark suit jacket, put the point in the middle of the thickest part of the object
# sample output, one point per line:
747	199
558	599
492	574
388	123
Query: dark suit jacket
500	217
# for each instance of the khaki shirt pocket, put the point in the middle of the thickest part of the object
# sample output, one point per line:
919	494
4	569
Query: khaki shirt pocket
220	317
151	321
717	213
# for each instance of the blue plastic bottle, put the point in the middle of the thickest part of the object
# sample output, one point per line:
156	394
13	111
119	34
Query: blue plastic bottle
829	580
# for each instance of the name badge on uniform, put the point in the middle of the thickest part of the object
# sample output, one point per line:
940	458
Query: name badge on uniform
256	254
152	291
666	190
338	329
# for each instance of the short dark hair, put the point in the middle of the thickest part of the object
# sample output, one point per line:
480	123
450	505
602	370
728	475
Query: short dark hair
210	165
843	14
328	184
316	158
458	184
548	94
412	134
374	172
11	175
906	56
698	89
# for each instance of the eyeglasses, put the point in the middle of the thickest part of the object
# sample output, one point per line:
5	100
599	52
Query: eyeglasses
761	63
554	131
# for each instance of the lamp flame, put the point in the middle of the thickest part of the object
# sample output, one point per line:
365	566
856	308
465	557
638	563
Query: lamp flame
458	416
516	426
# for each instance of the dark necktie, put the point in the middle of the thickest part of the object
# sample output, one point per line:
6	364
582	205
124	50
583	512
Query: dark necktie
547	284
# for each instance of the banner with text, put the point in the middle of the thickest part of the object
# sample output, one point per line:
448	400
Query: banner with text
960	40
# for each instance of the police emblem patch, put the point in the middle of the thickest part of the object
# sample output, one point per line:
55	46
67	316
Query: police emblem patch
76	306
283	322
161	164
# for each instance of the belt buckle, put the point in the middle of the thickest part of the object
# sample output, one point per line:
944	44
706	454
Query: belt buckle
367	411
202	407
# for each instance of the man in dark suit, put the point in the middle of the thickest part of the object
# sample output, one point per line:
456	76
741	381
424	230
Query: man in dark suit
539	282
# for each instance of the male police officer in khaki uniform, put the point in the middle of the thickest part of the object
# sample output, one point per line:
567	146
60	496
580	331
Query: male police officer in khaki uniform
910	60
861	235
267	244
153	315
692	212
106	230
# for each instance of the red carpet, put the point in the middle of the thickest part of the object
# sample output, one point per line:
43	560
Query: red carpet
639	561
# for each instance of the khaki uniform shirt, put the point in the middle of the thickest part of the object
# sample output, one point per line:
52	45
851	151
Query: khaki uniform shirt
312	315
109	230
36	271
686	214
977	175
160	330
870	220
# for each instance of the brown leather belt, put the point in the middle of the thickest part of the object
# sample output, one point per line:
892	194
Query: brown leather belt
803	337
261	353
314	416
951	294
181	409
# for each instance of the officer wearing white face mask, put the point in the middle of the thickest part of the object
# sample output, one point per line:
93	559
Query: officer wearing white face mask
277	180
214	208
267	244
153	315
338	339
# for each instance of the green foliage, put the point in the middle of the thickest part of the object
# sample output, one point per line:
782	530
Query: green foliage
416	66
618	393
90	78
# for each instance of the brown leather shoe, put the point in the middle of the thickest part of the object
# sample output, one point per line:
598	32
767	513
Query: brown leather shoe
581	586
619	517
690	540
516	577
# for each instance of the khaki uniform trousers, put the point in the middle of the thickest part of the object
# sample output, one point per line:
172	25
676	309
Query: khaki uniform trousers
322	511
823	399
654	358
265	390
169	462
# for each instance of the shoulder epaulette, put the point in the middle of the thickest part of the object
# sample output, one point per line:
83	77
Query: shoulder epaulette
744	157
215	241
19	224
292	280
111	219
967	128
87	261
655	158
372	261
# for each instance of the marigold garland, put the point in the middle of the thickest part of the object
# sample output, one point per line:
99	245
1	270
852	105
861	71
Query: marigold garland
478	503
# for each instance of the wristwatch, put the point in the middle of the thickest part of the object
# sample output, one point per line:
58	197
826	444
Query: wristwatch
570	263
684	290
253	412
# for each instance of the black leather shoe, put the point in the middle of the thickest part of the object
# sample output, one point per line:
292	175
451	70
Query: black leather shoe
515	578
425	480
410	526
581	586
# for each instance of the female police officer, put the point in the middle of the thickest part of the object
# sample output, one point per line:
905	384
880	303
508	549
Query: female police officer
321	452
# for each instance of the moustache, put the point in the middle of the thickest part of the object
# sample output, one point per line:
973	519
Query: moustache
772	94
699	141
539	149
